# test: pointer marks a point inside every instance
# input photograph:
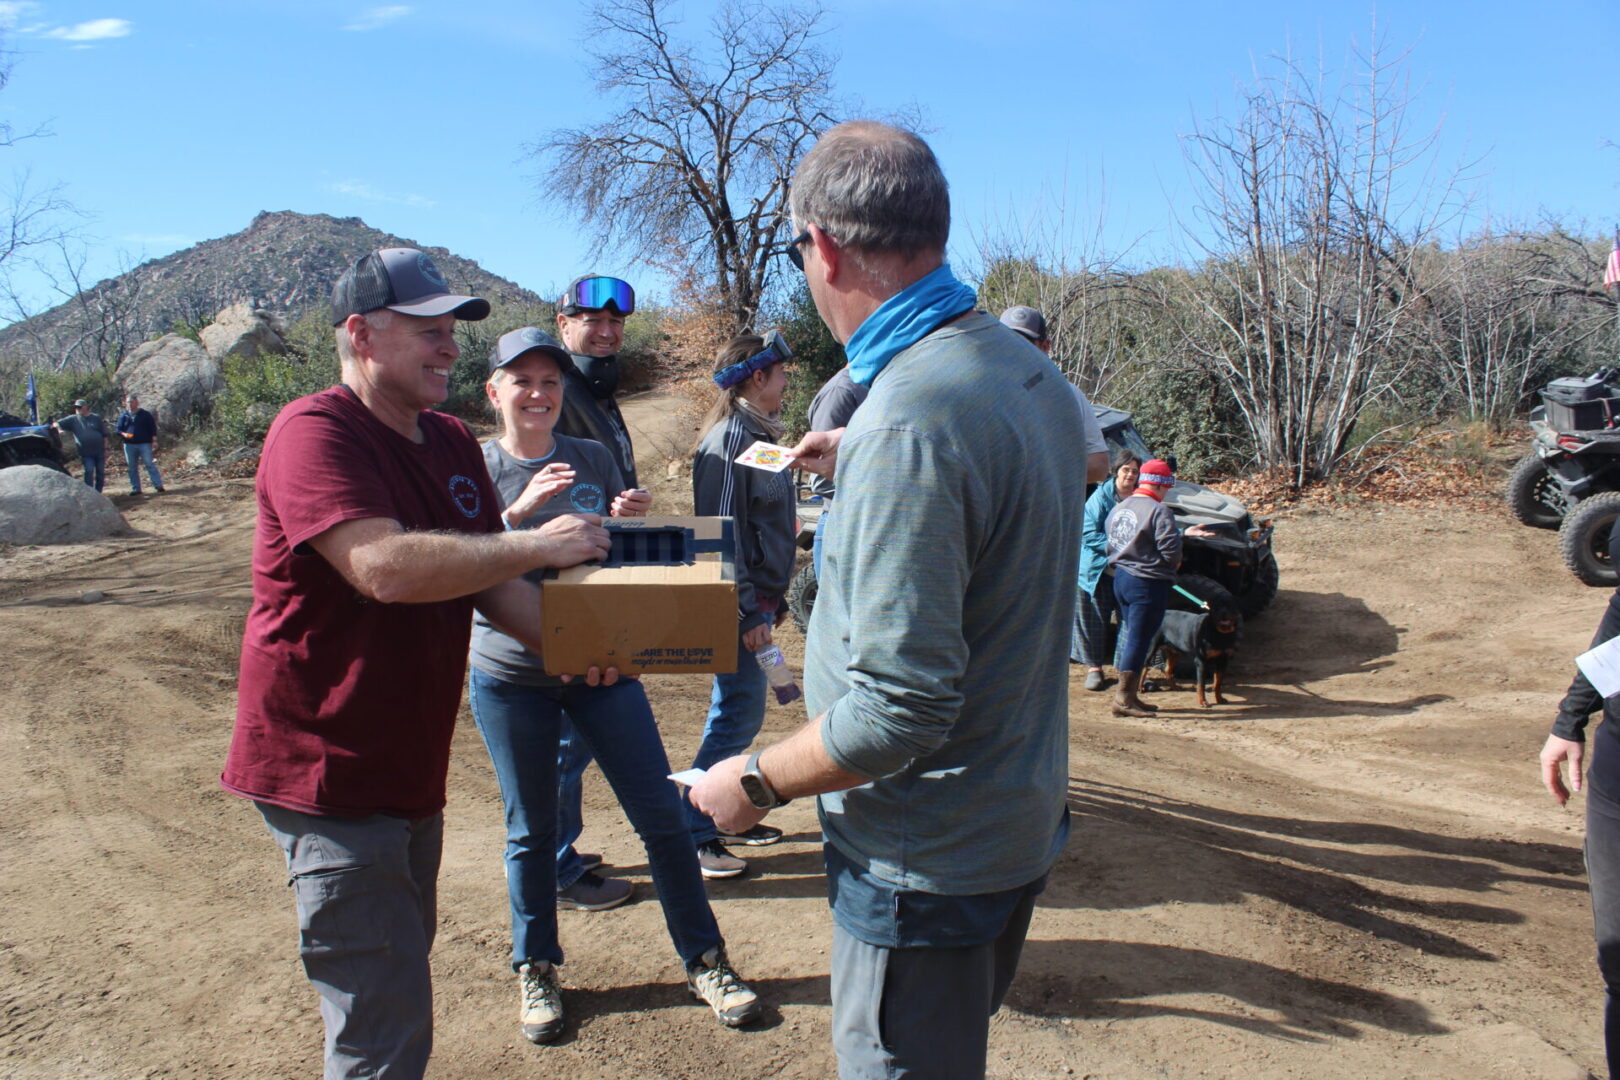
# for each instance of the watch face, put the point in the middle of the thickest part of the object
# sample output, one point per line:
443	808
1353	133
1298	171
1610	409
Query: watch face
755	789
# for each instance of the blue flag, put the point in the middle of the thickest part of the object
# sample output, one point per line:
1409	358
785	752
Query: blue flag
32	399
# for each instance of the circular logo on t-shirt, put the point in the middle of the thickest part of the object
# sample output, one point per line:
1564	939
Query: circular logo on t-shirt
587	498
1122	528
424	265
464	493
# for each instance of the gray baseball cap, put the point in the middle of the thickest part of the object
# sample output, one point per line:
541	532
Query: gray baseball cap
1025	320
523	340
81	404
403	280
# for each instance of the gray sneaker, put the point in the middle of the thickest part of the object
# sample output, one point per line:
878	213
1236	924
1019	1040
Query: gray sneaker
593	892
716	862
1095	680
542	1002
712	981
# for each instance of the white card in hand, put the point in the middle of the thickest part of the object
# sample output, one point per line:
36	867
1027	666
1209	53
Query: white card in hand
689	778
1601	666
767	456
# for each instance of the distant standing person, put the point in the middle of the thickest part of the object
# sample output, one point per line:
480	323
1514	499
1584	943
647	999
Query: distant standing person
1094	590
830	410
1031	324
1567	743
138	429
590	323
91	436
751	373
1144	549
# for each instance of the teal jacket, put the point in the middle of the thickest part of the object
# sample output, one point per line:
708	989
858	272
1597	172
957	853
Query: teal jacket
1093	535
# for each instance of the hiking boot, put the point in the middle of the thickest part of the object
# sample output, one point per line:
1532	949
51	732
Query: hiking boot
712	981
593	892
1126	703
758	836
1095	680
542	1002
716	862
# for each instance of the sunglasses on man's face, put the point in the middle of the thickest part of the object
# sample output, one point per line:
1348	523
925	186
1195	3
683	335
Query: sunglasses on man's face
793	252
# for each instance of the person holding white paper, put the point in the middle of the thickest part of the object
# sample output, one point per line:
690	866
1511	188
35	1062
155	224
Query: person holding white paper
751	374
1567	743
521	711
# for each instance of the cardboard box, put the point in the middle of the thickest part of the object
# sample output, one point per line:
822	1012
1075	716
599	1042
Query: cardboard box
663	602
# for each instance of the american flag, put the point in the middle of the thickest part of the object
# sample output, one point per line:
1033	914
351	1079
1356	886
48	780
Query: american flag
1611	275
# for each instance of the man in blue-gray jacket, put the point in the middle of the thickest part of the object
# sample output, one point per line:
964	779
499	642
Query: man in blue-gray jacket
937	664
137	430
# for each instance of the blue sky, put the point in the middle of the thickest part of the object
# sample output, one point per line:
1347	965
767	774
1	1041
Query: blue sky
177	121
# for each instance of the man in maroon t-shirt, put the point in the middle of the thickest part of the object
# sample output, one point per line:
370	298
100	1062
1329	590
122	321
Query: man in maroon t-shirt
378	534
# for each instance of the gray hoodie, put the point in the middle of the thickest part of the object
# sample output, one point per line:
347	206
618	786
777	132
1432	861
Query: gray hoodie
762	506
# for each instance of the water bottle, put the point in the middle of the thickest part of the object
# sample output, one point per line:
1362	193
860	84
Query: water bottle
778	674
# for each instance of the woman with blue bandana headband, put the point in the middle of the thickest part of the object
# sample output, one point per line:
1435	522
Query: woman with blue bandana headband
752	376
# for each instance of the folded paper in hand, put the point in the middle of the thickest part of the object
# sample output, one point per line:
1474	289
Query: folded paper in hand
1601	666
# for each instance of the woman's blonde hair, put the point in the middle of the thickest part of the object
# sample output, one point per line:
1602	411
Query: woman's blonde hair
735	351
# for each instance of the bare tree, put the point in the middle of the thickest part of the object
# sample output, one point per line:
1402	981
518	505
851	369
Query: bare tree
92	323
695	164
1316	206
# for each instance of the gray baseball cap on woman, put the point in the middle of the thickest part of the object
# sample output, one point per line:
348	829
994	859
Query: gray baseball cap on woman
526	339
403	280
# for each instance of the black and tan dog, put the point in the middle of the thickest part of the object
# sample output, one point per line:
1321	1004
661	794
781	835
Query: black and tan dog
1208	639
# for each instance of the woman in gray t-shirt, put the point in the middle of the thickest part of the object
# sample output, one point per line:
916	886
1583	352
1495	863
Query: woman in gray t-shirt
521	713
1144	548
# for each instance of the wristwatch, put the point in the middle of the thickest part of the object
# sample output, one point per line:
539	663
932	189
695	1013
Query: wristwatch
757	788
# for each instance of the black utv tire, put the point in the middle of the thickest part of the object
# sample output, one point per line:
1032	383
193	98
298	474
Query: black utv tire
44	462
801	596
1532	494
1583	539
1264	589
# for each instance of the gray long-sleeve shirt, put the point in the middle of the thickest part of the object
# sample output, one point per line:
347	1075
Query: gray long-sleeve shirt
762	508
939	649
1143	538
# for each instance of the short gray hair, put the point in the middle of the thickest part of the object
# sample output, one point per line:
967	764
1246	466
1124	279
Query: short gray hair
875	189
377	320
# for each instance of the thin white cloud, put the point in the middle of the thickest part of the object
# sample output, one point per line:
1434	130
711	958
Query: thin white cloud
378	17
94	30
14	11
362	190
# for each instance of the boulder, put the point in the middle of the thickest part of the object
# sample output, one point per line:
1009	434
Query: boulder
43	506
174	377
243	330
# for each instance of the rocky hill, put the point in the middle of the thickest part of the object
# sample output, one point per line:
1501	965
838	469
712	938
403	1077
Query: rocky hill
283	261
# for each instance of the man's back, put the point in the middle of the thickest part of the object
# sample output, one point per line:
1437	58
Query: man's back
942	622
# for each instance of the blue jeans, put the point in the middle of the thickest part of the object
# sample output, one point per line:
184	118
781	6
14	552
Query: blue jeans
95	471
1141	611
367	896
736	713
573	758
520	726
135	453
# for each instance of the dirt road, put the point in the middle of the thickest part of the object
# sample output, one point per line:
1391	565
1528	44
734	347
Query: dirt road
1350	871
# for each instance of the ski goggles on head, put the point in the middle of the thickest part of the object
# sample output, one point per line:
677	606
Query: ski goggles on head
776	352
596	293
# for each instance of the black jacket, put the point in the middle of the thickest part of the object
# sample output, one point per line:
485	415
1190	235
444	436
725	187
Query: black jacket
585	416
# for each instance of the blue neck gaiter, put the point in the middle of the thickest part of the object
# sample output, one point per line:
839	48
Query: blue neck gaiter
905	319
